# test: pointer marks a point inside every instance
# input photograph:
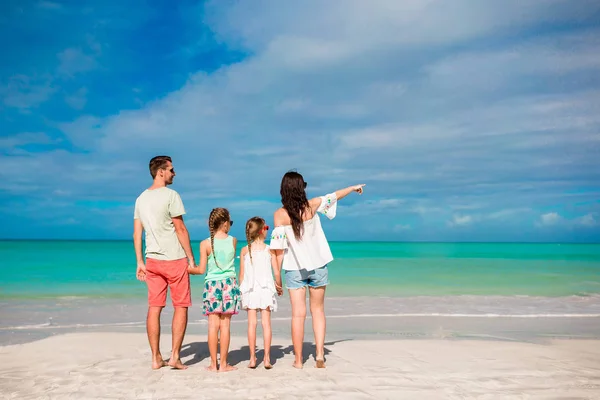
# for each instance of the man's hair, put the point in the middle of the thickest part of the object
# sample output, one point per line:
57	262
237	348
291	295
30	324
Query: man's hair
158	162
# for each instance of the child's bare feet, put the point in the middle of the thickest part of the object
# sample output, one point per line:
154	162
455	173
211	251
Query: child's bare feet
227	368
267	363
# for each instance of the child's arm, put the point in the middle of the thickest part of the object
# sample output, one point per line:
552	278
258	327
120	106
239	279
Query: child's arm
242	256
276	265
201	269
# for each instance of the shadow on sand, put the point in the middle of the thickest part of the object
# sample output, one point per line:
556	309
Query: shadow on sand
236	356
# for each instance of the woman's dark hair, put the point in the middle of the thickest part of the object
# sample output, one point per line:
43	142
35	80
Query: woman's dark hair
293	198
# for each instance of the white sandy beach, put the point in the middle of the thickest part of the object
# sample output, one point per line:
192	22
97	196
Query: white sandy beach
117	366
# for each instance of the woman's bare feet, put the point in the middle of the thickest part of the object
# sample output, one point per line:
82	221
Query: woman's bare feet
177	364
252	363
158	363
297	365
320	363
227	368
211	368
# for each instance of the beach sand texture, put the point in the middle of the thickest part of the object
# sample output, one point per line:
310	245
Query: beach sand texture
104	365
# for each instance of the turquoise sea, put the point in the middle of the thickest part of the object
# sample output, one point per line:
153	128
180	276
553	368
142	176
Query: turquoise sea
389	289
53	269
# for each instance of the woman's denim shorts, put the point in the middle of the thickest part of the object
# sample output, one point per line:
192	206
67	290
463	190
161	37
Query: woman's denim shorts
297	279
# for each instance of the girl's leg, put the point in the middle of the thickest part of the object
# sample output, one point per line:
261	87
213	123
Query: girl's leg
317	311
213	340
298	299
265	320
224	325
252	337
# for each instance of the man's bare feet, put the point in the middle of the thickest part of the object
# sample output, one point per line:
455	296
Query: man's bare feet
211	368
158	364
252	363
177	364
227	368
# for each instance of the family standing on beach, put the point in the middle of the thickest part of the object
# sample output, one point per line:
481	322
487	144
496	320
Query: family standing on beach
297	245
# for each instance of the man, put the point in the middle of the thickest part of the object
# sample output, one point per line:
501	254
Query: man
159	211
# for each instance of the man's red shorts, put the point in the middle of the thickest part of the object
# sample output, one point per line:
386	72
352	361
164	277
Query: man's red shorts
160	274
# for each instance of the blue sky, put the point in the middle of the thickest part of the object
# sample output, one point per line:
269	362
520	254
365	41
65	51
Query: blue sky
467	120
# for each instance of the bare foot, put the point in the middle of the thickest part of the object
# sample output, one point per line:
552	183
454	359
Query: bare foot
177	364
158	364
267	363
252	363
227	368
297	365
320	363
211	368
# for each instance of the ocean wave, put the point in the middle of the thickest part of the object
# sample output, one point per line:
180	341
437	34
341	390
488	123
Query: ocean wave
50	325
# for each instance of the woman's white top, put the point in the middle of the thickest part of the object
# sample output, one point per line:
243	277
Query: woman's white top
312	250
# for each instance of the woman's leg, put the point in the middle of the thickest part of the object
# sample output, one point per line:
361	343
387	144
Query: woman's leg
298	299
224	326
265	320
213	340
317	311
252	337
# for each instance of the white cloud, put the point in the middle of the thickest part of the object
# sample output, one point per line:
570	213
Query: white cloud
49	5
25	92
461	220
400	95
551	218
589	220
78	99
23	139
73	61
401	227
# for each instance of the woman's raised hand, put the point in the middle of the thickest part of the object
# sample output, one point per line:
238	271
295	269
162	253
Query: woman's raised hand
358	188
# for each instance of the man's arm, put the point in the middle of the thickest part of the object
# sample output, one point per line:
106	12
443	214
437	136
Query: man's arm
184	239
138	230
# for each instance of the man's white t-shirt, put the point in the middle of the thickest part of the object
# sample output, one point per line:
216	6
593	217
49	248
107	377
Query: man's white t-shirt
155	208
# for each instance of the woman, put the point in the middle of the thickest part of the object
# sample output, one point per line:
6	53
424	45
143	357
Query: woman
301	248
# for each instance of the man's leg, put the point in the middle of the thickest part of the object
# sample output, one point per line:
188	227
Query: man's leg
153	329
157	297
180	319
179	282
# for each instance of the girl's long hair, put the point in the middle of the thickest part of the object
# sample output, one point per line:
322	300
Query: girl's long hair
218	216
293	198
254	227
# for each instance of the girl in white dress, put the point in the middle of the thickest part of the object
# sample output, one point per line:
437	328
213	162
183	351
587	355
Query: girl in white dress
258	286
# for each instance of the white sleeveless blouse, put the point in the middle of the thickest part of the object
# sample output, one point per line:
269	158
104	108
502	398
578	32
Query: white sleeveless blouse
312	251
